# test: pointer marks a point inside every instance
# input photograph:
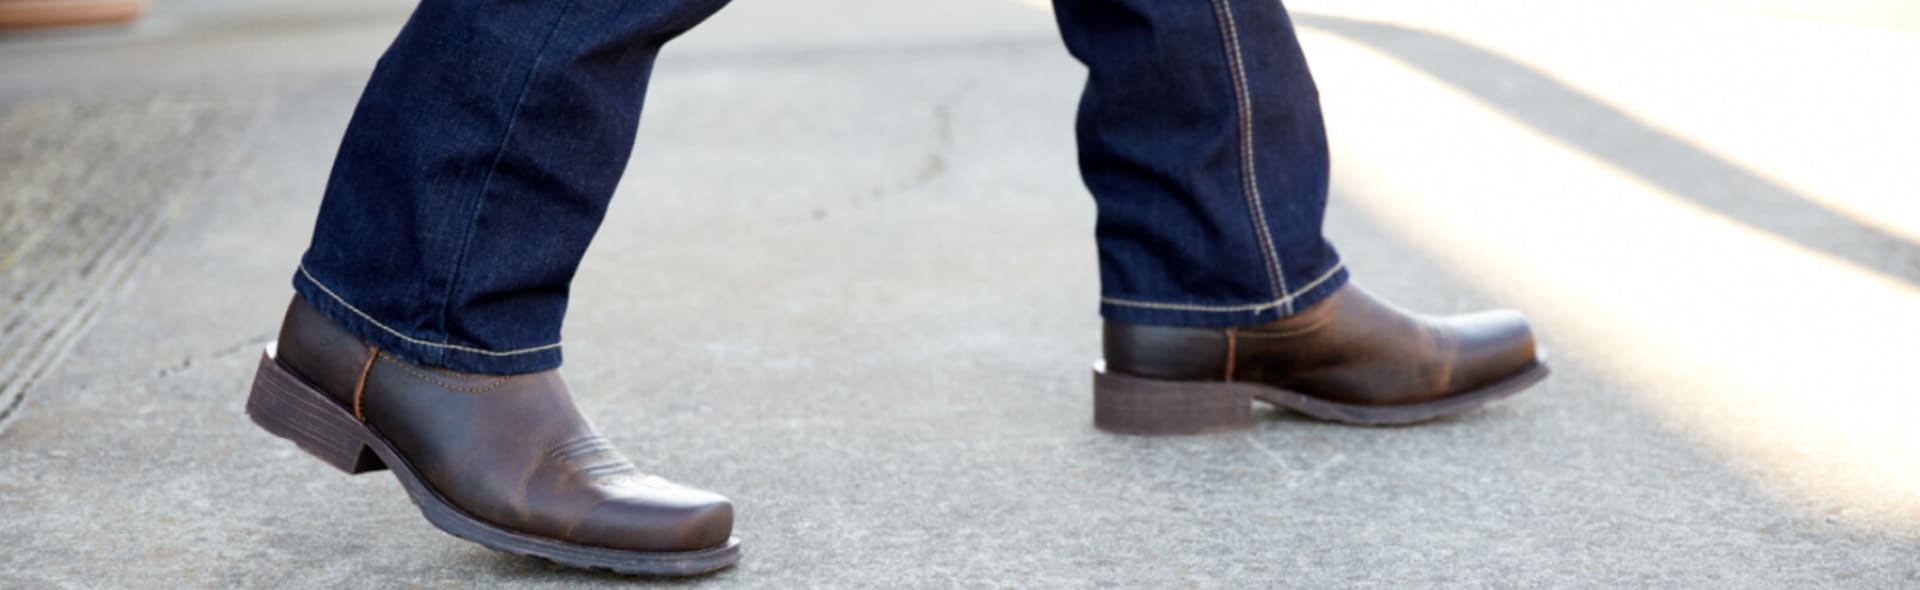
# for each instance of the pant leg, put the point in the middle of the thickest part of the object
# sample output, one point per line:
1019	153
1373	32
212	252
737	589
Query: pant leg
1201	140
475	171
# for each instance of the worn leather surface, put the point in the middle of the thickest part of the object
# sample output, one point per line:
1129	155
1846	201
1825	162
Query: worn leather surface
510	450
1350	348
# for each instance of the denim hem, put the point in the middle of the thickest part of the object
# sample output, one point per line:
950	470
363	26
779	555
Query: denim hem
419	351
1221	315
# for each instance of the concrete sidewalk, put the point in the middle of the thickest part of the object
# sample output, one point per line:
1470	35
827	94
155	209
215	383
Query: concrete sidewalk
858	261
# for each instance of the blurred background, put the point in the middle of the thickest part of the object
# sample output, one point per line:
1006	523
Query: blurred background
1710	208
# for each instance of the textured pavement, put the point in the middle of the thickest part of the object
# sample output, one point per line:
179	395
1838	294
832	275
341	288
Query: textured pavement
849	282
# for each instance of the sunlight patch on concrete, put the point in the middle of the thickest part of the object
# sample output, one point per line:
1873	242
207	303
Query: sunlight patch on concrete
1823	110
1786	362
1894	14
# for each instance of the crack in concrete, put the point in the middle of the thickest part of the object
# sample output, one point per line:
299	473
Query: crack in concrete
100	181
934	164
188	362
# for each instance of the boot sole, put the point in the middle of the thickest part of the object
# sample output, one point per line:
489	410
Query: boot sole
287	406
1137	405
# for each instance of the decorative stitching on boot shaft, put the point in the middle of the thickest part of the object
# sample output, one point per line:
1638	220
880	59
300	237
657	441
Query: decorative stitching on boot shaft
495	383
574	448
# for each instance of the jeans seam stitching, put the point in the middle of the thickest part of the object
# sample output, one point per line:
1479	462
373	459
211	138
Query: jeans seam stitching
1250	182
409	339
486	182
1286	300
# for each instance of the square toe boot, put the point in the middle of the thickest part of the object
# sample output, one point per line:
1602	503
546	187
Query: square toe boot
1351	358
504	461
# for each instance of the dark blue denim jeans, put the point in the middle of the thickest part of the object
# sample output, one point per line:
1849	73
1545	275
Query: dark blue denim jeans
487	144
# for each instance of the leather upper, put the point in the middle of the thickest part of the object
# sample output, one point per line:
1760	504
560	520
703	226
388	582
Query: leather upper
1350	348
511	450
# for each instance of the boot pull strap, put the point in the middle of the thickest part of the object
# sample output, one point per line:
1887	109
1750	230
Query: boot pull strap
1232	339
360	387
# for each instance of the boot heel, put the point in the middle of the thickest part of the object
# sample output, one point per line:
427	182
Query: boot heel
285	405
1137	405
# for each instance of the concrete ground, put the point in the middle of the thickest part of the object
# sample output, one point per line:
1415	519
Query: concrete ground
849	282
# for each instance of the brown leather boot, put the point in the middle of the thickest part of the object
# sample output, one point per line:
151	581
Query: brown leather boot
503	461
1351	358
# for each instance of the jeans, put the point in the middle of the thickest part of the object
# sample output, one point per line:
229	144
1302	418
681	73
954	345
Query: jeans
484	151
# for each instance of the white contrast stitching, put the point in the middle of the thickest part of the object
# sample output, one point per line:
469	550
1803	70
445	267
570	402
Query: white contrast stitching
1243	97
1254	307
396	333
480	195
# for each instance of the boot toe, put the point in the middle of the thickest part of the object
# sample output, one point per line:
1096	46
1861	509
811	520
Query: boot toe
658	520
1493	345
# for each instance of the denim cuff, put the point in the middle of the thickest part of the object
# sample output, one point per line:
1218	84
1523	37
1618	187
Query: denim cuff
418	351
1196	314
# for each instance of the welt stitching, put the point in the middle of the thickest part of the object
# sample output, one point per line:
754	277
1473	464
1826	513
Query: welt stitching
423	376
486	182
1287	300
397	334
1243	98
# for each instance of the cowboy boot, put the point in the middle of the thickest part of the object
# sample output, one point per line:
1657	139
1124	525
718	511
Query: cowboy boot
1351	358
503	461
